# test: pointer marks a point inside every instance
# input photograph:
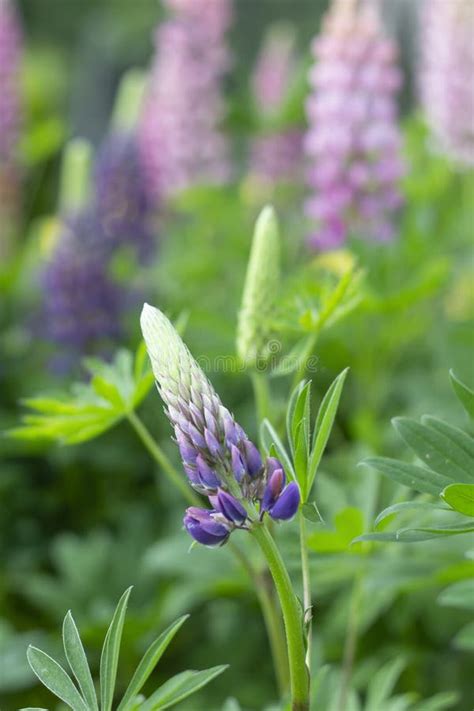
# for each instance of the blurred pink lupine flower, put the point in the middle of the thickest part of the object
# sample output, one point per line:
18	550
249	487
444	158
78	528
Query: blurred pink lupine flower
353	143
180	139
10	113
277	154
446	77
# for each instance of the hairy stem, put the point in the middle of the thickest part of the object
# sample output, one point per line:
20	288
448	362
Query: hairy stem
299	678
271	616
265	597
307	602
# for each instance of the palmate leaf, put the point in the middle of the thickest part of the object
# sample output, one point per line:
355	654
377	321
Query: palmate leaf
443	448
115	389
56	679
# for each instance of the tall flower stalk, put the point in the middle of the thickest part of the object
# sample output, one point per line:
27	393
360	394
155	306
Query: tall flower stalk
447	68
276	154
353	144
180	136
222	463
10	118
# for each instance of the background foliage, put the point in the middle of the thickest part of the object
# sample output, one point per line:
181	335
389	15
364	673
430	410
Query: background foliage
84	511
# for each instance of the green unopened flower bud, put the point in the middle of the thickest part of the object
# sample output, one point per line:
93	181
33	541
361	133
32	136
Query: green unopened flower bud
261	284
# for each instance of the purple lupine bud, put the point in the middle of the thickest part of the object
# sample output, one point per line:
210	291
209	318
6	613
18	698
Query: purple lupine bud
123	208
229	507
353	143
275	483
180	139
287	503
447	68
275	155
207	478
201	525
210	440
10	120
252	458
238	466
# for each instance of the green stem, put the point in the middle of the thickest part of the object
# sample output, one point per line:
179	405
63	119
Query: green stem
350	642
261	393
266	599
160	457
299	678
307	602
271	617
301	370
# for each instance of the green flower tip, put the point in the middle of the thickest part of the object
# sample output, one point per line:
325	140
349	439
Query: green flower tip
261	285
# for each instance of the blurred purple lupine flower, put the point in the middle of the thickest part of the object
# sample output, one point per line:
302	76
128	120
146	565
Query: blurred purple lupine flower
353	143
123	207
180	139
276	154
10	116
219	459
81	304
446	78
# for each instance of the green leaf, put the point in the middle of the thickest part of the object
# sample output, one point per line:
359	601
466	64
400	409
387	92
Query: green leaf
405	506
464	394
426	533
414	477
460	497
465	638
311	512
300	417
53	676
323	426
148	663
437	448
348	523
464	442
269	437
381	685
460	594
110	654
180	687
77	660
438	702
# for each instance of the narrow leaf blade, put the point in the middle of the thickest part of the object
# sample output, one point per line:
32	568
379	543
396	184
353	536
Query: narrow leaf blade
414	477
77	660
149	662
110	654
180	687
53	676
323	426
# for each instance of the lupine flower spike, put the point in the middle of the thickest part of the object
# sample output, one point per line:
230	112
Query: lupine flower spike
180	138
123	207
276	155
219	459
354	142
446	80
81	303
10	57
